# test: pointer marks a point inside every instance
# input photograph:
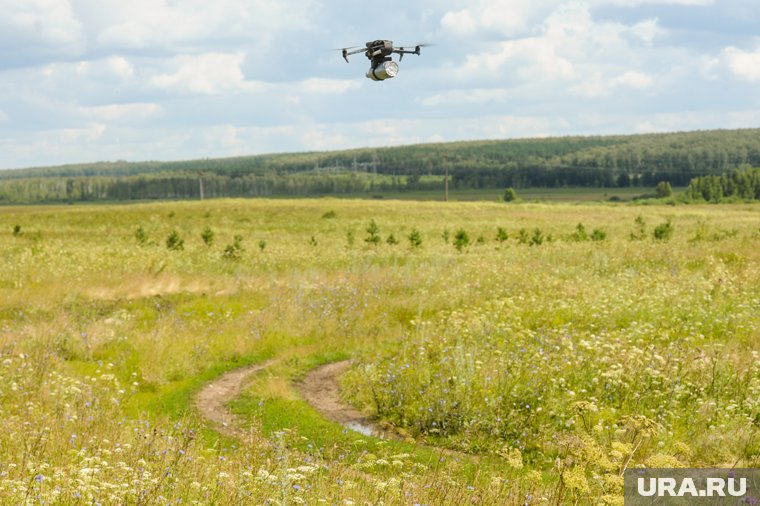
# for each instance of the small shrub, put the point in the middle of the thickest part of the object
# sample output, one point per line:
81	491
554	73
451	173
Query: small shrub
598	235
640	233
350	238
174	242
510	195
501	234
141	236
580	234
329	215
415	238
445	235
313	241
391	240
373	234
537	238
663	231
235	250
208	236
262	245
481	239
461	239
16	230
522	236
663	190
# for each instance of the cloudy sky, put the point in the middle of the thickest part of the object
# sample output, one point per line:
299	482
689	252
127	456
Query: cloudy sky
92	80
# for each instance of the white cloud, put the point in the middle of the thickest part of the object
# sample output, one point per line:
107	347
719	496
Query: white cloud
181	25
34	29
466	96
208	73
530	58
120	67
460	22
87	134
633	79
647	31
744	64
123	112
597	86
328	86
492	16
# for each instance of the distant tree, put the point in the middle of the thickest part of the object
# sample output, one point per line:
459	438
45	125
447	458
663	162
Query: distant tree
598	235
510	195
640	233
174	242
501	234
663	190
235	250
461	239
663	231
580	234
538	237
415	238
141	236
373	234
208	236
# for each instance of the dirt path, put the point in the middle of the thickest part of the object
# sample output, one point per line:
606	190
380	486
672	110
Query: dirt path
212	400
320	389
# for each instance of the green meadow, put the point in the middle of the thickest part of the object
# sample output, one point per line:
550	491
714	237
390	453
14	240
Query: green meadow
523	353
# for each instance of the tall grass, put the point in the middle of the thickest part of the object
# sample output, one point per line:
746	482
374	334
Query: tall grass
104	336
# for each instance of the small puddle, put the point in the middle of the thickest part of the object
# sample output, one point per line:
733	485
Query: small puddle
365	429
361	428
320	389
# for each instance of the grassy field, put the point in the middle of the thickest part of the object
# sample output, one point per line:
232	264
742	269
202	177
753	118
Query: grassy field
528	353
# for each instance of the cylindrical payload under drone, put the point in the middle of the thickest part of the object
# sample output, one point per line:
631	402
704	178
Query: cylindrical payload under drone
383	70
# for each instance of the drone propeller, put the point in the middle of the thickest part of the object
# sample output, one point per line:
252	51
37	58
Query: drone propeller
401	50
348	51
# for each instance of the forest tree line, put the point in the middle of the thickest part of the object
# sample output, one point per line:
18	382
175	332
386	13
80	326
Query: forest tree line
609	161
741	184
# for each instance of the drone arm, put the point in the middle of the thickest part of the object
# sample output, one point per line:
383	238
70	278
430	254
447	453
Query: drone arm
347	53
402	51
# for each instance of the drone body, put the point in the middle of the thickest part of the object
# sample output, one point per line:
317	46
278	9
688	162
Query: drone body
379	53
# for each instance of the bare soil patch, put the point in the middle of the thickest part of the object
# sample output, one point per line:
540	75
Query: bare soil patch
213	398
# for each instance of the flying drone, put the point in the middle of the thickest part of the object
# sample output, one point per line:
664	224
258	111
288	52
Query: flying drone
379	53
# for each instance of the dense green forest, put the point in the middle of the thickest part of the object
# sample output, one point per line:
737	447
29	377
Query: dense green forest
740	184
609	161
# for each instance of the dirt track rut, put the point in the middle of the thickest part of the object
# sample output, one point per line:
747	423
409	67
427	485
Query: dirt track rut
319	388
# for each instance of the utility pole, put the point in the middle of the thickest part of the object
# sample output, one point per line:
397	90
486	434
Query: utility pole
446	178
200	182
